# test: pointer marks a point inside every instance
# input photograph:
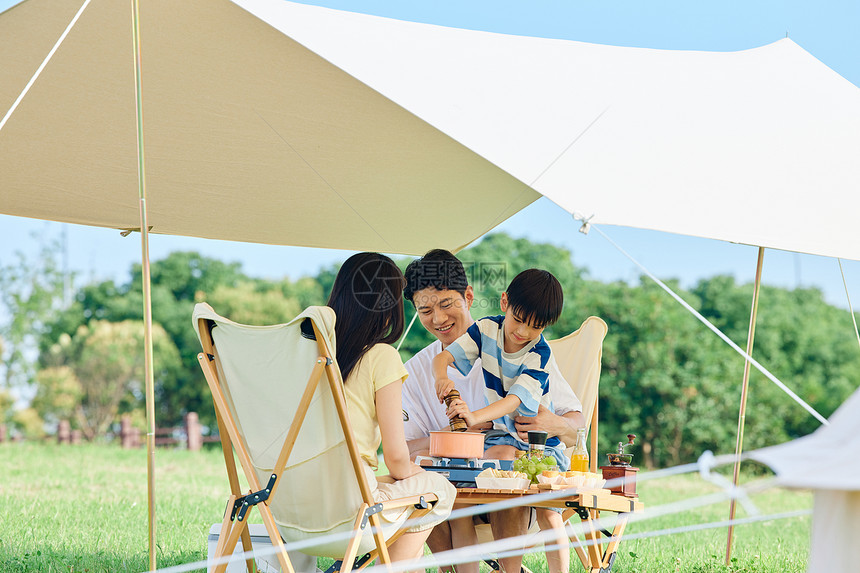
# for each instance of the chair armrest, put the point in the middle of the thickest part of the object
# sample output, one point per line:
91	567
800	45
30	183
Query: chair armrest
407	501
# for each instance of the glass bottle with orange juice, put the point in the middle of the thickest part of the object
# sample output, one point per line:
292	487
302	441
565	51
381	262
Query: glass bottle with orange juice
579	457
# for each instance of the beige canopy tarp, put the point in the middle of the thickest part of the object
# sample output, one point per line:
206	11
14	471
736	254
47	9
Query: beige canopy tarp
249	136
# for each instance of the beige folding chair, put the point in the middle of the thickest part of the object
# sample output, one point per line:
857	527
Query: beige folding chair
578	356
293	439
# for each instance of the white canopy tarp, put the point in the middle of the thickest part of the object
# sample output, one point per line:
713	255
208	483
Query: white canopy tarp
251	137
757	147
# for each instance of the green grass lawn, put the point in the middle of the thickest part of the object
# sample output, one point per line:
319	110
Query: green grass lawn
84	509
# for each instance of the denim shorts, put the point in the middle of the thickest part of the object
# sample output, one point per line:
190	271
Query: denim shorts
508	440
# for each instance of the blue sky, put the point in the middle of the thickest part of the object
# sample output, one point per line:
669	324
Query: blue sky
828	30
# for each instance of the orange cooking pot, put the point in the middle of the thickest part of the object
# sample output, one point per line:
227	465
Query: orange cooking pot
457	444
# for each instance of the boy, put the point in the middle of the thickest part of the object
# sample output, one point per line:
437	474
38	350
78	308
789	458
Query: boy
514	357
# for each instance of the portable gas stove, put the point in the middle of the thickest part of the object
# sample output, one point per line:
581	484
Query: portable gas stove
461	471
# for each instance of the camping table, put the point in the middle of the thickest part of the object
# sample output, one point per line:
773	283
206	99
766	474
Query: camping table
587	504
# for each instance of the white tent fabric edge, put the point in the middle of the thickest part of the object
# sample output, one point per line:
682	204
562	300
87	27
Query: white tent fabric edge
828	463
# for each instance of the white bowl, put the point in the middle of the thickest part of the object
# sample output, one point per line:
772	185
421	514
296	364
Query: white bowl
502	483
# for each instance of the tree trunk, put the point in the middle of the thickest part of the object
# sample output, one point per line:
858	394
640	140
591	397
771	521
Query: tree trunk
192	431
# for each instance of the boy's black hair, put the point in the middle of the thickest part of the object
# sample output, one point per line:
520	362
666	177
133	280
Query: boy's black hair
535	296
438	269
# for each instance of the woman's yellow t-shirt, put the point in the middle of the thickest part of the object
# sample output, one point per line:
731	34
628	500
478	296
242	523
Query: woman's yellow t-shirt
379	367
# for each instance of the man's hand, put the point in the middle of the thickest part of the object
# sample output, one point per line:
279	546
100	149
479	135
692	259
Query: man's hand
545	421
443	386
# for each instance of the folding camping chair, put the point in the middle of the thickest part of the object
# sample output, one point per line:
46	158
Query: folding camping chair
292	433
578	356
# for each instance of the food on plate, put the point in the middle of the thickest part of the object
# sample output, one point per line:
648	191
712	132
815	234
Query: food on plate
550	473
494	473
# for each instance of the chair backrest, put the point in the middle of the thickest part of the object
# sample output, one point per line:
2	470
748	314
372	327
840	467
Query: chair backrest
263	372
578	356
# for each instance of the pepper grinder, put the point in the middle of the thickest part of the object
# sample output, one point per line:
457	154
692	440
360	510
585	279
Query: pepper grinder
537	443
458	424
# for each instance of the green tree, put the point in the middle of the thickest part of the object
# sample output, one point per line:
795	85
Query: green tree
307	291
31	293
58	394
254	302
672	382
106	359
178	282
184	274
664	375
805	342
28	423
325	278
6	404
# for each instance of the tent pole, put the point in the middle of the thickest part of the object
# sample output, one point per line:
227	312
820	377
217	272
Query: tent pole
739	445
150	382
147	294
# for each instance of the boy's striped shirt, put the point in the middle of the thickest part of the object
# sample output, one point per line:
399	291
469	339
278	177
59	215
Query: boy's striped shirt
523	373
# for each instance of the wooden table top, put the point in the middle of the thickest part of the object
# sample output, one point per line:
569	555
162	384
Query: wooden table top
600	499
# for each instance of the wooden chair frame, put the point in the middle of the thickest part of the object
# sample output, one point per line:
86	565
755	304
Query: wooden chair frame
234	525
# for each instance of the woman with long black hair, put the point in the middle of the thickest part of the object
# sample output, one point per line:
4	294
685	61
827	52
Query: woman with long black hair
368	304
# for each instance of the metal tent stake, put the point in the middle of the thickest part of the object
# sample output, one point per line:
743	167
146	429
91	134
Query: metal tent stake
739	445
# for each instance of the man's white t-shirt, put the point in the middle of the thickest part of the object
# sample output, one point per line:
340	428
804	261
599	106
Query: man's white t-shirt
424	412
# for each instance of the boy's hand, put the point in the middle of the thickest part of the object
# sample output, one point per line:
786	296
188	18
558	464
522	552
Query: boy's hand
443	386
459	408
480	427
